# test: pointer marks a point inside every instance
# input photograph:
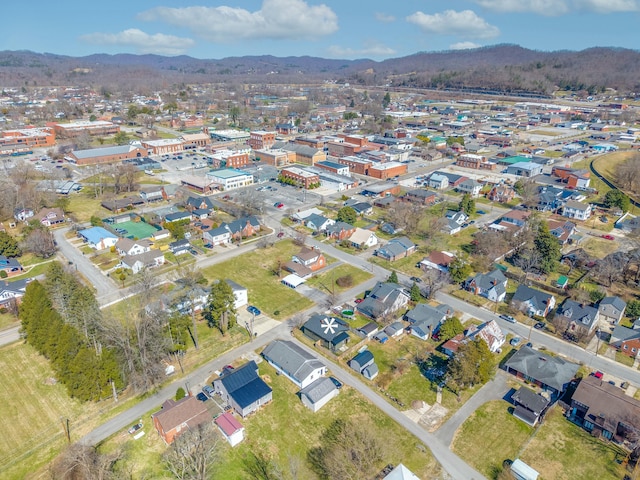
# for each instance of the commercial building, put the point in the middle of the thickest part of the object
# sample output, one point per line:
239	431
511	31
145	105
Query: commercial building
387	170
96	128
260	139
229	178
26	139
163	145
301	177
117	153
275	157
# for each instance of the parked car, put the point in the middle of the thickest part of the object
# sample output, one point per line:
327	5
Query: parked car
254	310
539	325
416	279
280	234
359	300
480	212
515	341
208	391
202	397
508	318
598	374
608	237
336	382
135	428
278	204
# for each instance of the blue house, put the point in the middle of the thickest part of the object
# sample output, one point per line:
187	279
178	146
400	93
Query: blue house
98	238
243	389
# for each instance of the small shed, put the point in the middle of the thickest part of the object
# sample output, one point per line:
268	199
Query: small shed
522	471
562	282
381	337
231	429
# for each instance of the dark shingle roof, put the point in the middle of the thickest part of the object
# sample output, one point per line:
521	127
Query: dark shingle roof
244	384
551	371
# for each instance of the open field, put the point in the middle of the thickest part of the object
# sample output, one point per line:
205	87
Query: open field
327	281
255	272
285	430
599	247
564	451
490	425
83	205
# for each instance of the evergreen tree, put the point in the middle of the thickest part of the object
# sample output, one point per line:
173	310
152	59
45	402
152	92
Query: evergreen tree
220	312
459	270
393	278
467	204
347	215
9	246
472	364
616	198
450	328
386	100
548	247
416	296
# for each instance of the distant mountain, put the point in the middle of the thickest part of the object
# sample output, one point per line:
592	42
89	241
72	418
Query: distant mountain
499	68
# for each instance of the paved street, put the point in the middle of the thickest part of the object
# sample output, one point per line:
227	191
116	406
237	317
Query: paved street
493	390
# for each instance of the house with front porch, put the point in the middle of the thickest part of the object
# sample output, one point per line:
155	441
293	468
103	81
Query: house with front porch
328	332
492	285
294	362
396	248
362	238
626	340
384	299
532	302
576	317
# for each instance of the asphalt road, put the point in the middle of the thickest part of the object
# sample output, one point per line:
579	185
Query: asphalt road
453	464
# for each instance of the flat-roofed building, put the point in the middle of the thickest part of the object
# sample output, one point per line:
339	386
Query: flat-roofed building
231	158
113	154
334	167
261	139
26	138
234	136
229	179
301	177
355	164
387	170
164	145
74	129
275	157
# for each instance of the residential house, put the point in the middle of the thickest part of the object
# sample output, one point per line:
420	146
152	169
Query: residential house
50	217
605	410
368	330
577	317
501	193
626	340
217	236
152	194
305	262
516	217
175	417
136	263
546	371
10	266
401	473
243	389
362	208
317	394
126	246
363	239
396	248
384	299
532	302
437	261
612	309
470	186
198	203
13	291
329	332
243	227
425	320
98	238
231	429
454	221
294	362
180	247
340	231
240	294
395	329
318	223
563	231
529	405
23	214
577	210
365	364
177	217
490	332
492	285
438	181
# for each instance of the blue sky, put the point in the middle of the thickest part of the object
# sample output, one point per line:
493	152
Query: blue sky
331	28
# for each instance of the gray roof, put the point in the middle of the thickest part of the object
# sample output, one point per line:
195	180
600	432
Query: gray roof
615	302
292	359
338	227
325	327
425	313
539	300
552	371
317	220
394	328
363	358
485	281
103	151
531	400
624	334
318	389
579	313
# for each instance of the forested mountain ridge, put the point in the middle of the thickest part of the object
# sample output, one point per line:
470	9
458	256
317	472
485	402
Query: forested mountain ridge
504	68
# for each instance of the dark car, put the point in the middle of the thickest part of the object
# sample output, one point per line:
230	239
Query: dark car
539	325
280	234
202	397
254	310
208	391
135	428
480	212
416	279
336	382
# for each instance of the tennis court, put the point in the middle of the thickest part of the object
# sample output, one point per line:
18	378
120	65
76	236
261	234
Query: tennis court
137	230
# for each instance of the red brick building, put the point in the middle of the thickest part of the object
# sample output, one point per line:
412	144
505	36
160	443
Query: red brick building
260	139
356	165
26	139
275	157
177	417
300	176
387	170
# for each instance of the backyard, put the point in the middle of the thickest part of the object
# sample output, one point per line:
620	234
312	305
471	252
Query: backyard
255	271
327	281
285	431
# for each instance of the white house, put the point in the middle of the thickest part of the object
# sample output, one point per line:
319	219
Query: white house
240	294
438	181
293	362
231	429
577	210
230	178
471	187
98	238
362	238
126	246
135	263
217	236
318	394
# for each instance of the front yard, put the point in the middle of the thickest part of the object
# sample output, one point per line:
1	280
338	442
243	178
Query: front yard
327	281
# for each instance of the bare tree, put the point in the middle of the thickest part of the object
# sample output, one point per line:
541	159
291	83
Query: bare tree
40	242
193	454
81	462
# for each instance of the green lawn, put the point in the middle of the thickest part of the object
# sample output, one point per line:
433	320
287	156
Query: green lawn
83	205
254	271
8	320
599	247
405	265
624	359
326	281
564	451
490	436
285	429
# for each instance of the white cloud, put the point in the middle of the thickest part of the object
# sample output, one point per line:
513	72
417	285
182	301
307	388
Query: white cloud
370	49
608	6
276	19
158	43
548	8
552	8
464	46
385	18
465	23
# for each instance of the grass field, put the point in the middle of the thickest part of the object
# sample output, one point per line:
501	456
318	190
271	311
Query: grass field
599	247
492	426
325	281
254	271
285	429
83	205
7	320
564	451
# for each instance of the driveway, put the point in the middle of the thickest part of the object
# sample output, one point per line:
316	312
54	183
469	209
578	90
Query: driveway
492	390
